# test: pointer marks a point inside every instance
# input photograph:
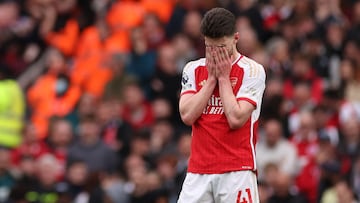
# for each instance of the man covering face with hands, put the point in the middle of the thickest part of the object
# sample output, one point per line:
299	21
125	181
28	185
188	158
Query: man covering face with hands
221	98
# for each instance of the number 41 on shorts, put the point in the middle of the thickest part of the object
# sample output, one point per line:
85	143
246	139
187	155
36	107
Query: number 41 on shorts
244	198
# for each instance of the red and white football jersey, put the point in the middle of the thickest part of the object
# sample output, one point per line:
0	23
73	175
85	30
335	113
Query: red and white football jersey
216	148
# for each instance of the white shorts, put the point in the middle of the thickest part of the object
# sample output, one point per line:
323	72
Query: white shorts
232	187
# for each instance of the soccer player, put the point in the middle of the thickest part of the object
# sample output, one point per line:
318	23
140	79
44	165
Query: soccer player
221	98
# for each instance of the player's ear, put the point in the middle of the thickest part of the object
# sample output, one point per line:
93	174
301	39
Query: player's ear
236	37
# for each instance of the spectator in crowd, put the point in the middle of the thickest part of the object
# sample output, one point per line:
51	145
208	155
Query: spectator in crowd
162	137
103	71
93	64
185	50
283	190
183	148
90	149
249	43
142	59
323	125
94	191
301	101
279	58
303	72
355	177
46	189
275	105
330	175
338	108
65	31
125	15
274	148
53	94
75	180
140	145
355	20
334	37
59	140
326	10
165	80
349	145
115	131
30	147
264	192
340	192
272	15
190	27
86	107
137	107
250	11
21	39
136	170
7	180
25	180
176	20
351	79
114	186
12	110
352	49
153	30
166	168
306	143
320	60
162	108
115	86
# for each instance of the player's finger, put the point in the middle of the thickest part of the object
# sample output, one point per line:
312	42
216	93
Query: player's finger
223	53
216	55
209	57
219	51
208	52
222	50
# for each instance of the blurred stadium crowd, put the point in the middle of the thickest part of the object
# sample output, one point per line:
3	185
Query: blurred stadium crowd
89	94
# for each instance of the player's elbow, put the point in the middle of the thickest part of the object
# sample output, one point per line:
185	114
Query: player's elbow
236	123
187	118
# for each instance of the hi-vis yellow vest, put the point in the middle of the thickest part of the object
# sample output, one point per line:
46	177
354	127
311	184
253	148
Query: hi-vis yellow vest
12	109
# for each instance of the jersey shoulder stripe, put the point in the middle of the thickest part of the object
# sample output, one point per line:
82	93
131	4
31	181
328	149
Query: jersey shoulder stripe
189	78
191	65
252	69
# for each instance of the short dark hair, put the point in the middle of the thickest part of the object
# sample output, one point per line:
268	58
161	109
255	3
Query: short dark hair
217	23
89	119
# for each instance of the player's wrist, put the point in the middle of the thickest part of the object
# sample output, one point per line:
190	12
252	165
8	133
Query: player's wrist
223	79
212	79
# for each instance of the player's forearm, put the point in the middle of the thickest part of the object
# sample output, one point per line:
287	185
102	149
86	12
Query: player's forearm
191	107
232	110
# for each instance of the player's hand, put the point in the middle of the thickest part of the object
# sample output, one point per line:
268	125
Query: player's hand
223	63
210	63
